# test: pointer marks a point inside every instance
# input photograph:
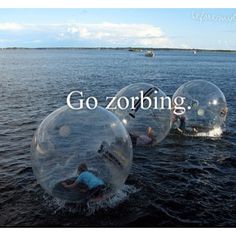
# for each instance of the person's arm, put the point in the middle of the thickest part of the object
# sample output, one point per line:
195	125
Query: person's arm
151	135
149	131
75	183
69	185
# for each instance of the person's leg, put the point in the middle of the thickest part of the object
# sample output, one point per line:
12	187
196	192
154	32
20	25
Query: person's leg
133	138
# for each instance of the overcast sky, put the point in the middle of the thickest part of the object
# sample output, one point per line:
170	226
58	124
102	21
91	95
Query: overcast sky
176	28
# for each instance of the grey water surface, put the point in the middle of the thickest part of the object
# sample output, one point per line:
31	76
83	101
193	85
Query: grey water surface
180	182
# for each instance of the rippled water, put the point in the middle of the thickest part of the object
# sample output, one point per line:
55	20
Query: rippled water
180	182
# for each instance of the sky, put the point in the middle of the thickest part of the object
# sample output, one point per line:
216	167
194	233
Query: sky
161	28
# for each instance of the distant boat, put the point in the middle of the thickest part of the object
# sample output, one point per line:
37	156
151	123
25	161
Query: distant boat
135	50
194	52
149	53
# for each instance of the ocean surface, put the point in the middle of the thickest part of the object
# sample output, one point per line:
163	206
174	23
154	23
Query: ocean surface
180	182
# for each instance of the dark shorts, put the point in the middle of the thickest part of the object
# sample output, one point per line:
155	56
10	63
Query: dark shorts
97	191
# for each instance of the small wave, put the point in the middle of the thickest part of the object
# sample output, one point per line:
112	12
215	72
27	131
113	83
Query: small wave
214	133
121	195
24	170
91	207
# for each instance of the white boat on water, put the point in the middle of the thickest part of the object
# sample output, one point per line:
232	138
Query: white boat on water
149	53
194	52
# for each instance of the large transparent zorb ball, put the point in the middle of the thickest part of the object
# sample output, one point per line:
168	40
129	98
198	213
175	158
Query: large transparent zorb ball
206	108
68	138
146	111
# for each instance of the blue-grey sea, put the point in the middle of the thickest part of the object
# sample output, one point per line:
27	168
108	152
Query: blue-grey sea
180	182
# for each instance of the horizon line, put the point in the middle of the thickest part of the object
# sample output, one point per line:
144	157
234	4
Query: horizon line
122	48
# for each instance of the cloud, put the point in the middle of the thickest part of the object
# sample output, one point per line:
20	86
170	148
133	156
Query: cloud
110	34
10	26
120	34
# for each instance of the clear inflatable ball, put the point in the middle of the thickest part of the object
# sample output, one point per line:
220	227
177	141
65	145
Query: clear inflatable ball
81	155
205	109
138	106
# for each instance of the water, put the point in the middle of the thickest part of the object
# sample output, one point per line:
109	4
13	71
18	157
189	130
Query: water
181	182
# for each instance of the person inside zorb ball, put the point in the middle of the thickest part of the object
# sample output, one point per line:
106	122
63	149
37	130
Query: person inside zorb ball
81	155
138	106
205	109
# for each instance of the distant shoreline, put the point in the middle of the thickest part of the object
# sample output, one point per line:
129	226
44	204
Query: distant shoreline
120	48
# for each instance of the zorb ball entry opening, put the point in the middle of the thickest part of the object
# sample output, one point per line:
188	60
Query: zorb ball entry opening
80	155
